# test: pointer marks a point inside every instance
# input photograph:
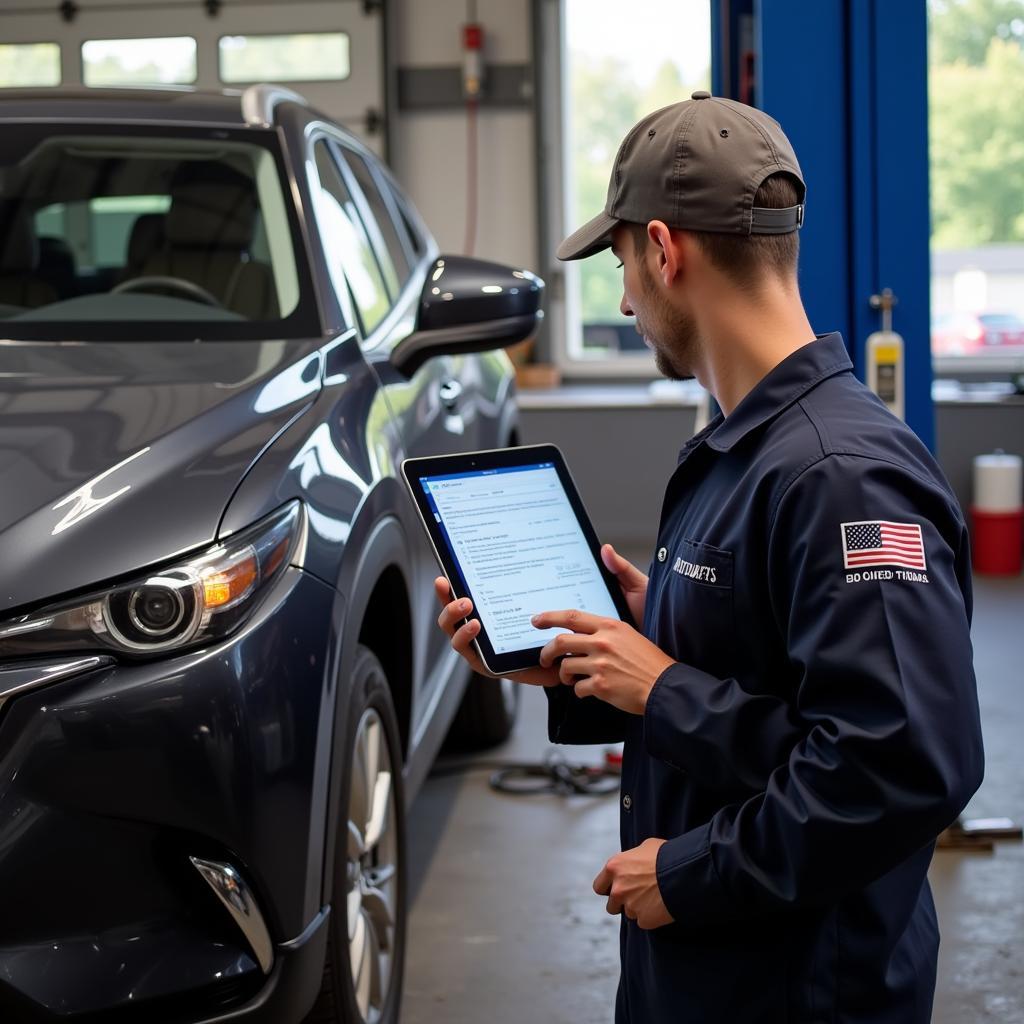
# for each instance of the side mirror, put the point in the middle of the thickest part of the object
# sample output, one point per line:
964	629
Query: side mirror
470	305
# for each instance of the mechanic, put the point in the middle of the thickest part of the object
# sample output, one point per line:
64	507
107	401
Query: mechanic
799	710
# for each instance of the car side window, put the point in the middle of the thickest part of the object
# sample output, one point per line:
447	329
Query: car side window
408	231
395	261
350	255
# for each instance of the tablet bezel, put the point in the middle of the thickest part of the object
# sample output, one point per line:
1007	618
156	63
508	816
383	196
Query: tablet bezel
413	470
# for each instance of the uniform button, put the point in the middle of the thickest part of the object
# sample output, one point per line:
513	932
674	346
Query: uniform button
662	554
627	801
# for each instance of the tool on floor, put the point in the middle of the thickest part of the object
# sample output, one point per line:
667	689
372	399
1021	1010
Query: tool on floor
979	834
552	775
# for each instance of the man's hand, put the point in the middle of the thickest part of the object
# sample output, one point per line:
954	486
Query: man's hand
616	663
453	612
632	581
630	881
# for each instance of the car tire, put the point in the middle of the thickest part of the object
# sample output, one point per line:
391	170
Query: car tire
362	981
486	715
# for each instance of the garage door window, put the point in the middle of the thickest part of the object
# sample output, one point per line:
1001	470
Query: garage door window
169	60
300	57
24	65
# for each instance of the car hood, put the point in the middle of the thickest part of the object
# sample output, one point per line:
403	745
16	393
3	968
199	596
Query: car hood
117	455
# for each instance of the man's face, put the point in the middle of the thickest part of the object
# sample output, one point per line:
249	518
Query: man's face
666	329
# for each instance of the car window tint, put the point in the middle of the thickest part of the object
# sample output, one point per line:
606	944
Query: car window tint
350	256
165	226
409	230
396	266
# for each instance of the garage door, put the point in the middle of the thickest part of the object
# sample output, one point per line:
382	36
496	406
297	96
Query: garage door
328	50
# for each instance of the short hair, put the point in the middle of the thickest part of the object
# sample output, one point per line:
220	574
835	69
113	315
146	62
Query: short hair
746	259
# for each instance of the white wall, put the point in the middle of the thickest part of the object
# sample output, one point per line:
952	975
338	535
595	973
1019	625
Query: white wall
430	146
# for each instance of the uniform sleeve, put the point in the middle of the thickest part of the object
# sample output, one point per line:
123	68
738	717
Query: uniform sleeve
892	749
725	738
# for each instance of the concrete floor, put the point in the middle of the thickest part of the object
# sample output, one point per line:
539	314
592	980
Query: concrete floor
505	928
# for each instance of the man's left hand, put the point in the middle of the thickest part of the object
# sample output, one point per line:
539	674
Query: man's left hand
609	659
630	881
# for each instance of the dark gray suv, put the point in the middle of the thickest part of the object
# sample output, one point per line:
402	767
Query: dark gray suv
222	326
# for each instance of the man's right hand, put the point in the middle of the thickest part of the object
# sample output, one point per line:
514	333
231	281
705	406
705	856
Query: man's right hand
453	612
632	581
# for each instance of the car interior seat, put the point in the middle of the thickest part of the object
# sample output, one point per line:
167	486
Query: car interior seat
57	265
20	284
207	233
145	240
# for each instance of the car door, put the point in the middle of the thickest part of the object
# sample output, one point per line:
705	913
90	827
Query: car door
384	267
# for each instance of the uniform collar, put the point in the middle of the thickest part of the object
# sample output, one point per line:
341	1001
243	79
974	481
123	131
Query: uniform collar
797	374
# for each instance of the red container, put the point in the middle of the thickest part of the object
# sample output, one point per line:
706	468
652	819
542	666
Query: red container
997	541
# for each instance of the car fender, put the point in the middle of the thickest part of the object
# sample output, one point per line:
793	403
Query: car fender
378	544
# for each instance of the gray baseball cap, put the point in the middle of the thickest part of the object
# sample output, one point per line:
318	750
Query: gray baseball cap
695	165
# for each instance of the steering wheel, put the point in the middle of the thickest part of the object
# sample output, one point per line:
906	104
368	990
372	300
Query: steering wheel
189	289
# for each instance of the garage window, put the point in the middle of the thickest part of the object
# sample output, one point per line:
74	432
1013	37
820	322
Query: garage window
975	90
26	65
299	57
170	60
603	83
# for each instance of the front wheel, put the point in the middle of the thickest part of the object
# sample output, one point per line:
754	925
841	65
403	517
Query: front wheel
487	714
362	981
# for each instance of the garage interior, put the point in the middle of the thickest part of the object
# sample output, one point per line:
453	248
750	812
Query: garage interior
482	110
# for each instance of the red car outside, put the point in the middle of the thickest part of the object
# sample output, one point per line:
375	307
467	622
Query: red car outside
973	334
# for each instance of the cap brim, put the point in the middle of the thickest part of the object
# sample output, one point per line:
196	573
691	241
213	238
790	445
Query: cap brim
593	237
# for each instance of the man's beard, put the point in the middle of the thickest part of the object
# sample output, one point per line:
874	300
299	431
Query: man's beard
672	334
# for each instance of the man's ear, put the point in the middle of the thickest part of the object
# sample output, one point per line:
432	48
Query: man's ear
667	250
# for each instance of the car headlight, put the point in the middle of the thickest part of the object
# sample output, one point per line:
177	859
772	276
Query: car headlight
192	602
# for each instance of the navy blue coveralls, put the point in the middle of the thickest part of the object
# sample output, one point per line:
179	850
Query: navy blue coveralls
821	726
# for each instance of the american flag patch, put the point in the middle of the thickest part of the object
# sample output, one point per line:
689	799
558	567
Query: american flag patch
882	543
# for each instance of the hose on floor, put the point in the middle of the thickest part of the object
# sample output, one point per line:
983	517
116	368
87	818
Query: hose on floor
553	775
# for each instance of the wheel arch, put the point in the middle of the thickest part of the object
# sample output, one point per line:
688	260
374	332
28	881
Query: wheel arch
378	615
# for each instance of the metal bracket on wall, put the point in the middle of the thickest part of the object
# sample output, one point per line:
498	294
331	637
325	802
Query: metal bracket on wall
507	85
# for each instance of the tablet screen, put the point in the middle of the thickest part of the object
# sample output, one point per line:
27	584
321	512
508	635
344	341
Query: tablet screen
517	541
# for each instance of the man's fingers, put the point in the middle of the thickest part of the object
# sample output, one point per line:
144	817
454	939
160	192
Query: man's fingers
572	618
462	638
443	590
603	882
565	644
628	574
613	906
453	613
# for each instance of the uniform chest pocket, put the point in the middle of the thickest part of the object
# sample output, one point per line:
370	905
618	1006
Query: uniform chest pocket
698	606
703	564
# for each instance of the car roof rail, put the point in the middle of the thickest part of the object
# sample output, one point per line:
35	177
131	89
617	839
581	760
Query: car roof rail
259	101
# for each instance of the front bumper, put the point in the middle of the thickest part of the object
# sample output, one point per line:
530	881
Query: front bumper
113	780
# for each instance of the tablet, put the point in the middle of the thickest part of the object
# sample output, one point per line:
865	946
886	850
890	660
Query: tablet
511	533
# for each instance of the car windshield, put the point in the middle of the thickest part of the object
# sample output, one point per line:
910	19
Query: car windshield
148	233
